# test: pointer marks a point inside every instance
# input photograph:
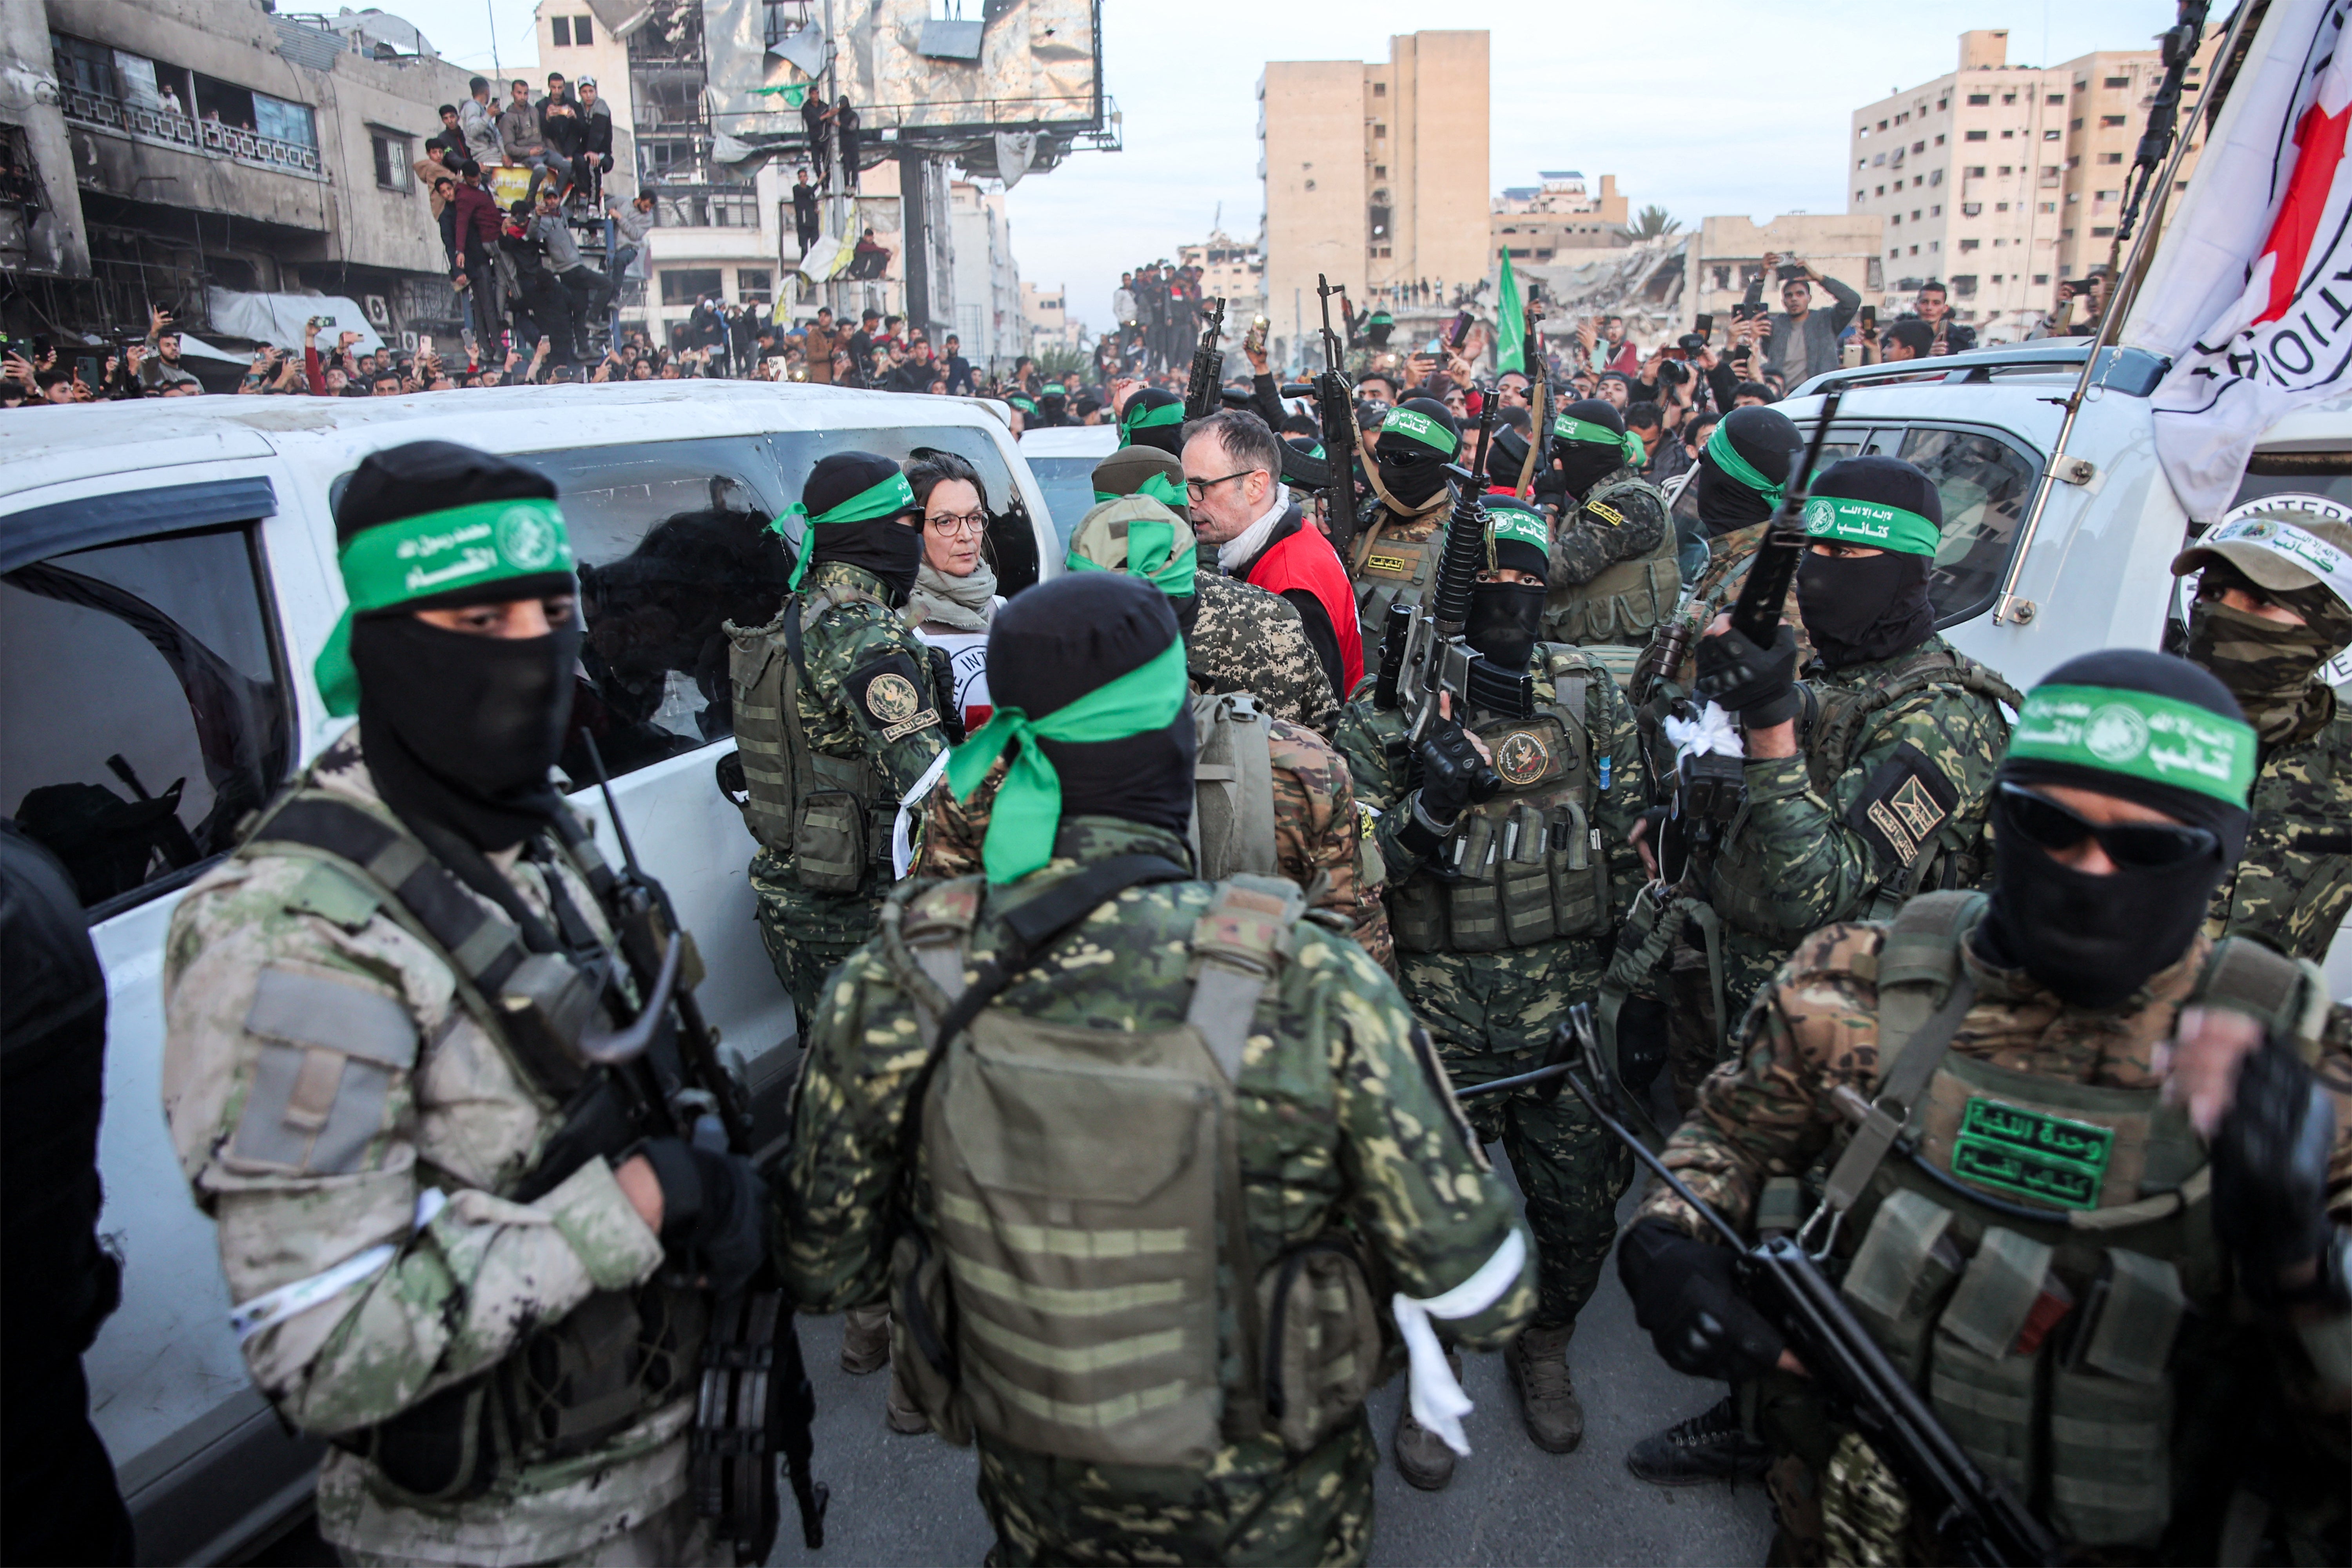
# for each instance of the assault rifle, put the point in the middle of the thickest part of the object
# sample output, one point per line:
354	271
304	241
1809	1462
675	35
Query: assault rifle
1425	656
1533	365
755	1402
1976	1517
1337	476
1208	364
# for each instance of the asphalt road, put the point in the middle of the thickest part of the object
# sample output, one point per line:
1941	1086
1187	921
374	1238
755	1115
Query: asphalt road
910	1500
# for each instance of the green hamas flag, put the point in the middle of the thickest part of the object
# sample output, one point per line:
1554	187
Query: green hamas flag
1510	324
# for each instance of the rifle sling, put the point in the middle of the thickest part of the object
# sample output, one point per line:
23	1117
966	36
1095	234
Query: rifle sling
1914	1062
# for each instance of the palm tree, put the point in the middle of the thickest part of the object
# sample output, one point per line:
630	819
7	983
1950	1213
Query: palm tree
1652	224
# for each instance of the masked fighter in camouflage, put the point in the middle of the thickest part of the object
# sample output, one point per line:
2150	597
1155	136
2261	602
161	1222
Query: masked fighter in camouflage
2275	602
1500	911
1613	576
2115	1257
837	713
469	1315
1024	1074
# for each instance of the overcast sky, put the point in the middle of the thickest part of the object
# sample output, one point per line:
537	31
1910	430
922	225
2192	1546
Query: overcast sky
1700	106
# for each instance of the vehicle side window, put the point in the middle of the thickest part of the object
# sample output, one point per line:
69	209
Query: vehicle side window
1986	485
673	542
142	713
1069	487
1012	548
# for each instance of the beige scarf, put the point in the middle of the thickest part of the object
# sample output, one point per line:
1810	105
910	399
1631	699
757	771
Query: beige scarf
960	604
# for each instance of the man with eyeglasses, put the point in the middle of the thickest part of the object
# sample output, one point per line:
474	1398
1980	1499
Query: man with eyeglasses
1232	464
1887	797
2115	1238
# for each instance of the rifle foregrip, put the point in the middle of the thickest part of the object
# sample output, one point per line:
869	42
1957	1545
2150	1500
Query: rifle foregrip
1465	552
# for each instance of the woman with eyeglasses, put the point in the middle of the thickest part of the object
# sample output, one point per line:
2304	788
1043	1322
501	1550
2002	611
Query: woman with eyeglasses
955	592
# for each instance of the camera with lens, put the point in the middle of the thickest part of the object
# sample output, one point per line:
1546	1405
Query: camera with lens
1692	344
1672	372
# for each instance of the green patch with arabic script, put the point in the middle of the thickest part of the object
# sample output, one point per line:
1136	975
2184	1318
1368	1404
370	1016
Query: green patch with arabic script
2032	1153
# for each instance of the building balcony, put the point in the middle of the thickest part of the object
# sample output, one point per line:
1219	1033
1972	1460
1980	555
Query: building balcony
208	138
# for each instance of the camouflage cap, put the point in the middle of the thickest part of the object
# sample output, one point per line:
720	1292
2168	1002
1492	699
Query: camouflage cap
2282	543
1139	536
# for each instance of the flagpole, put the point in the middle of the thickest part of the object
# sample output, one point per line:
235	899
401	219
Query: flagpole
2007	607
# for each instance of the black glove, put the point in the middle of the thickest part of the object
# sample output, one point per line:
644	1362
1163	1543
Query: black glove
1641	1041
1759	684
1453	773
1683	1296
2269	1172
714	1211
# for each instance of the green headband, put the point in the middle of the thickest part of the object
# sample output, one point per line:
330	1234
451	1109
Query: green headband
434	552
1851	521
1421	427
1513	522
1022	404
1156	418
2138	733
1028	809
1727	461
1167	492
1569	427
887	498
1152	555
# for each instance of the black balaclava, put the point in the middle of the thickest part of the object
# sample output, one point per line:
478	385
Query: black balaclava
2094	940
1584	464
1505	619
1061	640
1768	443
1861	609
2270	667
885	546
1413	470
1145	422
1507	456
459	731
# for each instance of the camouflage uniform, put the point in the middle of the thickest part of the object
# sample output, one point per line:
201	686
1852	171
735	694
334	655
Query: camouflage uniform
1769	1114
1394	560
1492	1013
283	987
2292	887
1341	1118
1613	576
868	695
1246	639
1318	833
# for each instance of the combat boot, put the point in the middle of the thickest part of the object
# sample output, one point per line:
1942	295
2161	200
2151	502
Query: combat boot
1548	1401
866	1339
1421	1457
899	1412
1710	1446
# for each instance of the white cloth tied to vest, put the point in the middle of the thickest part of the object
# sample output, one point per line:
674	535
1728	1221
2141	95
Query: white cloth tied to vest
1438	1402
1712	731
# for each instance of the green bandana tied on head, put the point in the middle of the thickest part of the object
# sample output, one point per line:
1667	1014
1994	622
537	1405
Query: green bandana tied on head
1849	522
2138	733
1167	492
1419	428
1028	808
1524	525
888	499
1152	555
1025	405
1155	419
1569	427
1726	458
430	554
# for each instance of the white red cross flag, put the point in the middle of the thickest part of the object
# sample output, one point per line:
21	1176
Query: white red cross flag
2251	293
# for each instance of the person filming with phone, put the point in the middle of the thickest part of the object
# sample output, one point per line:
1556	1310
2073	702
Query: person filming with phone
1803	341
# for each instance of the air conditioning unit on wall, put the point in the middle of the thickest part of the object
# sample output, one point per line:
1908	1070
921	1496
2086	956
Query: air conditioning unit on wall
379	314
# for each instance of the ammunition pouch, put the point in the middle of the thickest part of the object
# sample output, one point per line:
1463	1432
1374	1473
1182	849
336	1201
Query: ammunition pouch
1328	1342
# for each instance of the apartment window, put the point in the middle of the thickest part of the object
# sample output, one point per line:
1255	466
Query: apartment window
1939	105
2007	135
2074	196
560	29
1875	162
753	283
2009	98
1882	125
2074	124
1914	215
1882	190
1936	212
1914	250
1379	129
1972	135
1380	90
1861	162
583	32
2111	119
2050	136
1979	99
2000	207
2108	195
2111	157
1384	253
1921	179
1897	218
1860	196
2004	171
2040	279
392	159
1968	245
1970	209
2057	100
2050	206
1964	285
685	285
1919	146
1901	118
1892	251
1380	171
2107	233
2116	82
1939	139
1975	172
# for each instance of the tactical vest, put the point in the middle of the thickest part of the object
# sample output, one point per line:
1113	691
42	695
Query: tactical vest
1073	1297
2040	1306
818	814
1526	867
1233	788
620	1354
1391	571
1627	599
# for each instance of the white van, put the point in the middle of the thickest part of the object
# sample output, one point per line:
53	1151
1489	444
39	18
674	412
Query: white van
167	575
2098	571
